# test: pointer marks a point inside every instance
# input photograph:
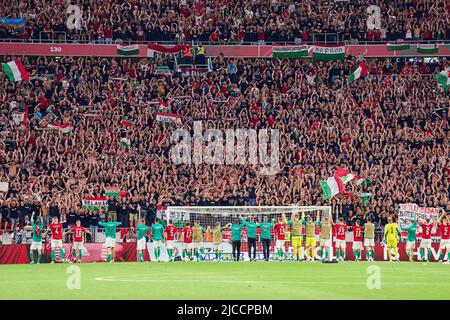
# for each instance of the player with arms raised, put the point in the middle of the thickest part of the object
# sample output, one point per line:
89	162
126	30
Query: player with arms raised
251	226
265	227
110	240
157	230
169	235
325	237
391	237
310	231
187	242
357	240
141	245
410	238
425	243
36	237
444	227
217	239
280	236
197	239
56	241
297	234
78	240
369	239
341	245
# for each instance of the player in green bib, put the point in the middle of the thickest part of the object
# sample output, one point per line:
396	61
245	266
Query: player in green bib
410	238
36	244
236	230
251	226
157	230
265	227
142	230
110	233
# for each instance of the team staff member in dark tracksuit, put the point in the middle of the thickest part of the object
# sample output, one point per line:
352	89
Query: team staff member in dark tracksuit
265	227
251	226
236	229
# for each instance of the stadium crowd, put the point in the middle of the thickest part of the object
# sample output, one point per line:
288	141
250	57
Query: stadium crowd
391	126
228	20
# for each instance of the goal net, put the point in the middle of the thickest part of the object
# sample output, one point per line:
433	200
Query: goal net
208	216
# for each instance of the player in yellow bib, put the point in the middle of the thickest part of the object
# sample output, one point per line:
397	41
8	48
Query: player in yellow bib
297	234
310	231
391	237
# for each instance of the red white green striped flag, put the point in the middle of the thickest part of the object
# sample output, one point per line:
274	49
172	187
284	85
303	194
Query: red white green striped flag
125	142
398	46
15	71
126	122
344	175
443	78
363	181
128	50
158	48
331	187
328	52
95	203
168	117
358	73
290	52
428	48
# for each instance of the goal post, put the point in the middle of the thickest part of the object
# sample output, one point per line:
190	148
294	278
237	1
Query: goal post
208	216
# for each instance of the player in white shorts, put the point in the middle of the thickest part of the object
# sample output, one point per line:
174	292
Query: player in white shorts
369	239
78	240
341	229
141	245
36	244
444	228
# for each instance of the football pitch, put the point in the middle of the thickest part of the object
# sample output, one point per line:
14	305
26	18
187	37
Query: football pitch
227	280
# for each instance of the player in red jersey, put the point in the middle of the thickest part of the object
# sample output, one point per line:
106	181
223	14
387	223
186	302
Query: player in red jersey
425	243
341	231
280	236
444	228
357	240
169	236
78	240
187	241
56	242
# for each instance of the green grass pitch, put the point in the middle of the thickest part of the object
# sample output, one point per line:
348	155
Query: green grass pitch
227	280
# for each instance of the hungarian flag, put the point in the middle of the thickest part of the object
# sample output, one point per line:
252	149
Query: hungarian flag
290	52
331	187
125	142
163	70
328	52
62	127
428	48
129	50
157	48
365	197
361	71
95	203
363	181
344	175
168	117
164	106
398	46
15	71
126	122
443	78
112	191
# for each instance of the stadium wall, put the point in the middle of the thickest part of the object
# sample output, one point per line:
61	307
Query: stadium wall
93	252
243	51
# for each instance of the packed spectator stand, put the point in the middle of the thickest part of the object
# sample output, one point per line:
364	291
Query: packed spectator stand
228	21
391	125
